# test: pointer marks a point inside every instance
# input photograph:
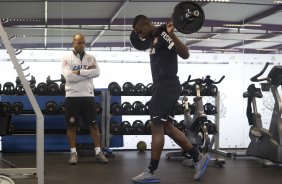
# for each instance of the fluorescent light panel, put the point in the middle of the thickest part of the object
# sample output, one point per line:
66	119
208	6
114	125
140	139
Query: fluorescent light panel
242	25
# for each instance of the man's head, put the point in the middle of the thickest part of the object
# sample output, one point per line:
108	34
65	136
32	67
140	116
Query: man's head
78	43
142	26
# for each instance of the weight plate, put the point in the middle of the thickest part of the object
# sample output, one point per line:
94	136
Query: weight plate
188	17
137	43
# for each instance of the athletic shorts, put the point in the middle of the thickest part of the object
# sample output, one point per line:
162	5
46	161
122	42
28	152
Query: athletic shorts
80	110
165	95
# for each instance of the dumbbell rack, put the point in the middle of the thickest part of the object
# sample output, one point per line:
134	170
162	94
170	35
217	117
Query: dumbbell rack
54	124
109	116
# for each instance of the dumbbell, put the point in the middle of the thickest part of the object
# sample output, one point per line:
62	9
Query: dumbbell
127	108
17	108
148	125
51	107
6	108
116	108
8	88
188	90
139	108
52	87
41	89
114	88
115	128
138	127
62	89
210	109
19	90
49	81
32	81
62	107
140	89
212	128
128	88
126	128
150	89
187	17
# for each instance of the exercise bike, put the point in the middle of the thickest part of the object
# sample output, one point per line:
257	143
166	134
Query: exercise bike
265	144
198	128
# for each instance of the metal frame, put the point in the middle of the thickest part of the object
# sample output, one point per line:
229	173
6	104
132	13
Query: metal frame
39	170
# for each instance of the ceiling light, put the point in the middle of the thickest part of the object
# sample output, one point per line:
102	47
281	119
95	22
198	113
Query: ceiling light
260	40
158	23
242	25
216	1
278	2
19	20
199	39
226	50
267	49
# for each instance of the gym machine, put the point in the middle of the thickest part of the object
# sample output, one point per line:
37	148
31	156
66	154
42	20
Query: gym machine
198	128
38	171
265	144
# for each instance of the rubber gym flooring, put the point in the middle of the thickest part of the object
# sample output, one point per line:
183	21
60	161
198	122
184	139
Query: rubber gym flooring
126	164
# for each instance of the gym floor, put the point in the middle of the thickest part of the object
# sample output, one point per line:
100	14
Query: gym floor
126	164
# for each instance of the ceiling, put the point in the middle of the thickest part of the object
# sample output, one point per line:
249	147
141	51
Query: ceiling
248	26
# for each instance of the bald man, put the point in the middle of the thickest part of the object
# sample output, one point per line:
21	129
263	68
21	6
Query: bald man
79	69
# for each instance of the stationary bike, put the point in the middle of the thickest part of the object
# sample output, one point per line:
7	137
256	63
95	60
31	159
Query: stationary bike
198	128
265	144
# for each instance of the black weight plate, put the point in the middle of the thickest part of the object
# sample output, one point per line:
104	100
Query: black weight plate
188	17
137	43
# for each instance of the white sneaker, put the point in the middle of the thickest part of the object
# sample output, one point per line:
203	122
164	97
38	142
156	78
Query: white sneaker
146	177
73	159
201	166
100	157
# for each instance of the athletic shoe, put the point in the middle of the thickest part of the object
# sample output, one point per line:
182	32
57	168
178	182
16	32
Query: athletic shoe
73	159
146	177
201	166
100	157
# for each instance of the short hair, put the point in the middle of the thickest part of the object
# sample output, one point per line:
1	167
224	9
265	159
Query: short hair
139	18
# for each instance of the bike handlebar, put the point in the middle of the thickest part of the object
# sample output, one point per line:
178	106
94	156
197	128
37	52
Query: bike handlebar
255	78
201	81
219	80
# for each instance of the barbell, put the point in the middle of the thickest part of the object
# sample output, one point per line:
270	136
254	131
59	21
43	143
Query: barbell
187	17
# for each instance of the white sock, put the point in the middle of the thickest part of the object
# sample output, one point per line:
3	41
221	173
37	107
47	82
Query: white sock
97	150
73	150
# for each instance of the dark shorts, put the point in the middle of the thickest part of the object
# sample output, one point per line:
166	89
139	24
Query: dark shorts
80	110
166	94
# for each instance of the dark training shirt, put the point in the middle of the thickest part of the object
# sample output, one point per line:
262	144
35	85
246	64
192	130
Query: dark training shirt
163	56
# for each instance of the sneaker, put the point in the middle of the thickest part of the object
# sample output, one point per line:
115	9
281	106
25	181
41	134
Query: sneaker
100	157
146	177
201	166
73	159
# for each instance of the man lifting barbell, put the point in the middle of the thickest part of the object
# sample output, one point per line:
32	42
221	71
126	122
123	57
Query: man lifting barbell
164	47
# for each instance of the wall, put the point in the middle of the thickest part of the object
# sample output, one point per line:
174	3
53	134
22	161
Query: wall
134	67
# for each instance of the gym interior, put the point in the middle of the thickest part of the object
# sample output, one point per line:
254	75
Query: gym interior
232	78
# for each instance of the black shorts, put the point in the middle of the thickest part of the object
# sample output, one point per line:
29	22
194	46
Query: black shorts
166	94
80	110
